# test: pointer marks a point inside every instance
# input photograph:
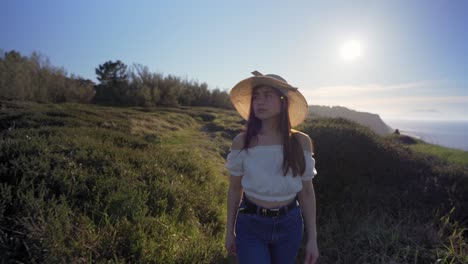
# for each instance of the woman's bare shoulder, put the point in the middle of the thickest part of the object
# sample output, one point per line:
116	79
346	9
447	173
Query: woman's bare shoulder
238	141
304	139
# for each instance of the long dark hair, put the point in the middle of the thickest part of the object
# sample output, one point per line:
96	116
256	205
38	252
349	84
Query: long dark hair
293	153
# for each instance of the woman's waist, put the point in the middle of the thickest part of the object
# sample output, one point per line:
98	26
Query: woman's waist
266	203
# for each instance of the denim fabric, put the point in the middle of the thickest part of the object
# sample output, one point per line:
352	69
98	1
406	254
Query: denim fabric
261	239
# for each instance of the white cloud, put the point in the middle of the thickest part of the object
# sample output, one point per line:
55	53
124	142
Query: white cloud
408	100
391	101
394	100
425	111
350	90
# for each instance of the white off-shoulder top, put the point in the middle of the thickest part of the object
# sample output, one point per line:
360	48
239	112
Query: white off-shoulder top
262	172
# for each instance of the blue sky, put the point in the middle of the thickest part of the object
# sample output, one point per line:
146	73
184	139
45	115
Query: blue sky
412	62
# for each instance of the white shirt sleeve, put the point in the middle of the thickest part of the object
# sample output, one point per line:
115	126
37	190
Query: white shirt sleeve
234	162
310	170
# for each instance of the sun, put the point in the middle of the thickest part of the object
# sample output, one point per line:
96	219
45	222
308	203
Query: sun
350	50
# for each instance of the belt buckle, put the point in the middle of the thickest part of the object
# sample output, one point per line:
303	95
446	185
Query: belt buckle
276	212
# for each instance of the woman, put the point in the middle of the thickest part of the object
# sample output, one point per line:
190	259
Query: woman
271	197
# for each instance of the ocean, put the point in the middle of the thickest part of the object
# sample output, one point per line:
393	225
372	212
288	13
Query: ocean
452	134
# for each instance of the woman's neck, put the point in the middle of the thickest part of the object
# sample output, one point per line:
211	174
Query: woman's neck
270	127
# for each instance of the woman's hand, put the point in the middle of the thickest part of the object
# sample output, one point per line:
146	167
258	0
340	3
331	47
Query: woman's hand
311	252
231	244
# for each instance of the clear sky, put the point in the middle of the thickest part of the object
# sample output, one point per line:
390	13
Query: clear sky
400	59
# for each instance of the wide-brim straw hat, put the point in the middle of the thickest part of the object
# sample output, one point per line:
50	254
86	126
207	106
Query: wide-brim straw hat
241	95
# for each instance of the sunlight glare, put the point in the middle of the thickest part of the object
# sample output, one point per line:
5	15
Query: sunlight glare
350	50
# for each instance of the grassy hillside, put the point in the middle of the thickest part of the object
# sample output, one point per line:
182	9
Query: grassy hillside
372	121
381	202
84	183
455	156
81	183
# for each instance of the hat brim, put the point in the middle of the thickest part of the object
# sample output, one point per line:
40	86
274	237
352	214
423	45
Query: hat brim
241	95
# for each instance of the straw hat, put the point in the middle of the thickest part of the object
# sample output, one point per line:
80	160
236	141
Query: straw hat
241	95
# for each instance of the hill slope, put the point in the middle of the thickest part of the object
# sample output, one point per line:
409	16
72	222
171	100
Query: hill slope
372	121
84	182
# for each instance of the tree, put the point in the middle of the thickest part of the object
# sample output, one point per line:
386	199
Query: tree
145	85
170	88
219	98
113	87
111	72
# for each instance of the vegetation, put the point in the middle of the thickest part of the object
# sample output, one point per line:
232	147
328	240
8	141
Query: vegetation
372	121
81	182
89	183
381	202
455	156
35	79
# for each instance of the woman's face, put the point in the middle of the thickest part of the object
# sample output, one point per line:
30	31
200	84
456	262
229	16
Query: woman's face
266	103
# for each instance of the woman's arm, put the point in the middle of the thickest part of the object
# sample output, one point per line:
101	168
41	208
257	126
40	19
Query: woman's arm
233	200
308	205
307	202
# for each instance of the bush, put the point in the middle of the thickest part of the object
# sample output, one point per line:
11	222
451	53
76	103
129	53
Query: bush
80	194
379	202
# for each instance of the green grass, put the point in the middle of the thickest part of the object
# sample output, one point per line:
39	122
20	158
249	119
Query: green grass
87	183
81	183
453	155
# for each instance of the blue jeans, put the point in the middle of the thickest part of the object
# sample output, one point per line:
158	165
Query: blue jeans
265	240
